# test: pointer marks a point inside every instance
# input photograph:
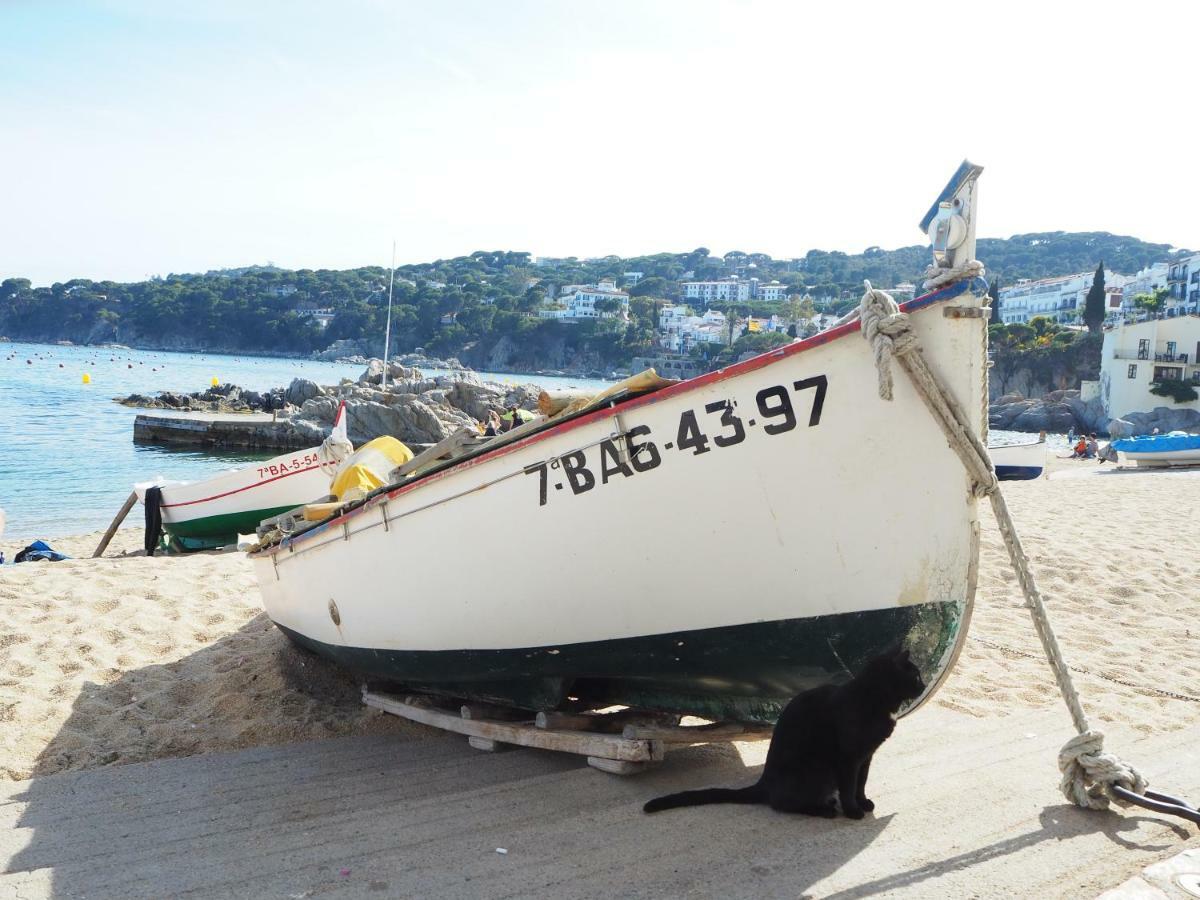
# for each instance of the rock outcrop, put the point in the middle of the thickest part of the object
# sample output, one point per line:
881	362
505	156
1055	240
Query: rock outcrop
1058	411
415	408
1162	418
1062	411
225	398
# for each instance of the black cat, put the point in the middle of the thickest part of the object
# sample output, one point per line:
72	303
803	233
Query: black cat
823	743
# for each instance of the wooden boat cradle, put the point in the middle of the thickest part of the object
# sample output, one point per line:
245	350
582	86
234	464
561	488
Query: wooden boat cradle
623	742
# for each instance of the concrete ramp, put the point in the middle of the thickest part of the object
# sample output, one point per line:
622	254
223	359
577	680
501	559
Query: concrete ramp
964	807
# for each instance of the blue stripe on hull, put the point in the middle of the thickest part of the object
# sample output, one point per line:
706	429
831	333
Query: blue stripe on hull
1018	473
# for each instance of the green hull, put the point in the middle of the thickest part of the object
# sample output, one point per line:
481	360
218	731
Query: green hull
218	531
742	672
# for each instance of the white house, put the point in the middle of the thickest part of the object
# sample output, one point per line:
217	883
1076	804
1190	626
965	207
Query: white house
322	316
717	291
772	291
1138	355
680	329
578	303
632	278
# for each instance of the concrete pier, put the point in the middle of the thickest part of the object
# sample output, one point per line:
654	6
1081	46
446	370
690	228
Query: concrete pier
252	431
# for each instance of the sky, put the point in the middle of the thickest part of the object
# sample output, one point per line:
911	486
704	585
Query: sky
142	138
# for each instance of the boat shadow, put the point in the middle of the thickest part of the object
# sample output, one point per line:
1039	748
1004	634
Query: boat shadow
128	799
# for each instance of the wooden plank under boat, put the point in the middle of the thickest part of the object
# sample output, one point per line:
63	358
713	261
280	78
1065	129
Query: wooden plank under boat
712	547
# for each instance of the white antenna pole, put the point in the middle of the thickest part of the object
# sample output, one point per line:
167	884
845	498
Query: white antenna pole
387	332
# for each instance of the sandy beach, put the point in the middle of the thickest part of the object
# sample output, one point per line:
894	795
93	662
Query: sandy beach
128	659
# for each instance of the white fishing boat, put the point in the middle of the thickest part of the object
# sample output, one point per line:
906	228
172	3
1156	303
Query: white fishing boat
203	515
1019	462
1176	448
711	547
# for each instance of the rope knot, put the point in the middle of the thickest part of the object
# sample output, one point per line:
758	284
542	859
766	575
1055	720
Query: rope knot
1088	772
888	331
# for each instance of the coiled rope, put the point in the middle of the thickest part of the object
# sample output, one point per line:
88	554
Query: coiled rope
1088	772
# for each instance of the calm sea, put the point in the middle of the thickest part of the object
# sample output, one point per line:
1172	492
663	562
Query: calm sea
67	457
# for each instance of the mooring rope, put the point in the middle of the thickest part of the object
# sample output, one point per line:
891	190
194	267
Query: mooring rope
1088	772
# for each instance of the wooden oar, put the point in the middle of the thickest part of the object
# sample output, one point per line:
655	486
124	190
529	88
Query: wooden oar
116	523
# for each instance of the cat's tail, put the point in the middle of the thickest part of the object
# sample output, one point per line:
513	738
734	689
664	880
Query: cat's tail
752	794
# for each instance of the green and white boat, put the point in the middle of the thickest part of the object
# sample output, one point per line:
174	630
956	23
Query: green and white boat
205	515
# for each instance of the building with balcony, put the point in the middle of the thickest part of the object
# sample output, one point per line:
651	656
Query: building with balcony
1060	299
1136	356
680	330
582	302
772	292
729	289
1146	281
1183	281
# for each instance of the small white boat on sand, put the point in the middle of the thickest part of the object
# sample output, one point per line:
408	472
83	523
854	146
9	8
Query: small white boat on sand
204	515
1019	462
710	547
1176	448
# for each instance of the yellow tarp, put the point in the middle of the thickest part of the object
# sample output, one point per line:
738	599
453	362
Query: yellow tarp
368	467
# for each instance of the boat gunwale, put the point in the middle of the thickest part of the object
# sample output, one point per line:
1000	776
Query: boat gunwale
740	368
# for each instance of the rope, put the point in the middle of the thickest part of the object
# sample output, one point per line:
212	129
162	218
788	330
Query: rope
335	448
1087	771
937	276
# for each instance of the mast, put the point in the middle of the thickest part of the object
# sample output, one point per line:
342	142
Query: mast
387	331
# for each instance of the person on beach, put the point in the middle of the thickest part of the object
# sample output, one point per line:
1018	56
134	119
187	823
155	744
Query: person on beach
494	425
510	418
1092	450
1080	448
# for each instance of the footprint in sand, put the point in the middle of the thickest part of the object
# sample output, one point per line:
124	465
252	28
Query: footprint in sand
106	606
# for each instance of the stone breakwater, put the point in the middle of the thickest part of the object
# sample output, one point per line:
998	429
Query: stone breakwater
415	408
1062	411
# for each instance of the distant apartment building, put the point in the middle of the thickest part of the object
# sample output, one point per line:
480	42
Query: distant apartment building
283	290
1146	281
632	278
1137	355
723	291
772	292
581	302
1183	280
680	329
1060	299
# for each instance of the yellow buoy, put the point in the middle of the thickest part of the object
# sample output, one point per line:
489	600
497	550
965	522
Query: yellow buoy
215	382
87	379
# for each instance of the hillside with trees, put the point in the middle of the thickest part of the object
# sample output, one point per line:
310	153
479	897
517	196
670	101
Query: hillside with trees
483	307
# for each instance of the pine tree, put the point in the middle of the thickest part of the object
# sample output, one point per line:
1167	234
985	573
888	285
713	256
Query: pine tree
994	293
1093	307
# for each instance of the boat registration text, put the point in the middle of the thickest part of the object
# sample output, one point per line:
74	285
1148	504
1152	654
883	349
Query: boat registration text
717	426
